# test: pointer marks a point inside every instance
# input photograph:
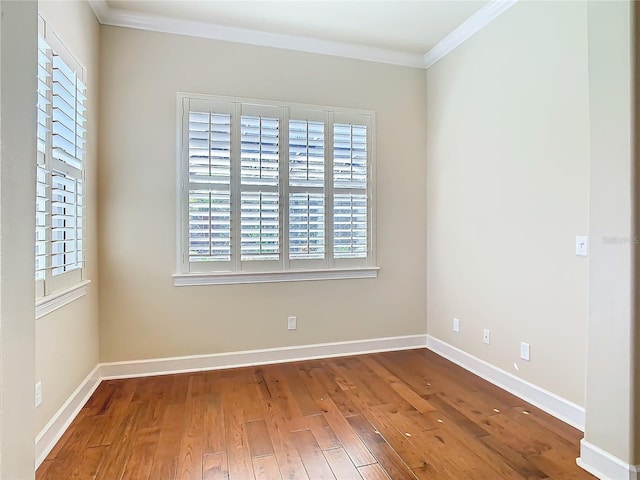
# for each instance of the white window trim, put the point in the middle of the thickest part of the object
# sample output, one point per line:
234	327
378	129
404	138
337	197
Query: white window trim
184	278
192	279
53	302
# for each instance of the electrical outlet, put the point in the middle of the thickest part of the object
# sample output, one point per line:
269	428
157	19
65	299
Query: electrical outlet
456	325
486	336
292	323
38	394
524	351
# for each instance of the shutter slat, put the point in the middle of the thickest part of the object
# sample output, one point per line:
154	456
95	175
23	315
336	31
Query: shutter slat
259	226
306	153
349	156
259	150
306	226
350	226
209	226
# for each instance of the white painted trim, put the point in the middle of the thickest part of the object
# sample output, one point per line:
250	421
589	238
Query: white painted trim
603	465
50	303
191	279
551	403
466	30
122	18
53	430
216	361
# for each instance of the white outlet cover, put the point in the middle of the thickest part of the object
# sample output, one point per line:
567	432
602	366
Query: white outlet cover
38	394
456	325
486	336
292	323
525	351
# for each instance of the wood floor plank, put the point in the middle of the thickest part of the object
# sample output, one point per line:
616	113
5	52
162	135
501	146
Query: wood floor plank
165	461
514	459
238	454
215	466
289	461
386	456
266	468
322	432
357	451
142	454
362	378
341	465
274	382
191	453
76	438
406	446
116	458
401	388
214	439
395	415
301	395
99	401
259	440
251	405
314	461
373	472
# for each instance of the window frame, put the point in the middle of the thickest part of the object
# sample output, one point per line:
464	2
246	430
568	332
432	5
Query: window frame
55	291
284	269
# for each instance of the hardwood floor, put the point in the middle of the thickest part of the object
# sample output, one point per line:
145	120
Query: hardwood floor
398	415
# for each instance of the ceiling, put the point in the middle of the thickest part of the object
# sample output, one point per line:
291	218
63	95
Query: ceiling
412	33
413	27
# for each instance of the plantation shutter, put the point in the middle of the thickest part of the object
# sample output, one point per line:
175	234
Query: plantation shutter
307	205
67	158
350	186
209	182
43	135
259	185
61	132
268	188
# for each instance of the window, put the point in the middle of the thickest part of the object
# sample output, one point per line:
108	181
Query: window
59	255
273	192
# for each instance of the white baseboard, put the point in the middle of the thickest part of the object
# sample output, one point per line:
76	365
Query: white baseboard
54	429
551	403
195	363
604	465
52	432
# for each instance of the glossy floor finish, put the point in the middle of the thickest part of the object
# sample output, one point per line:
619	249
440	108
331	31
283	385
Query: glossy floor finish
398	415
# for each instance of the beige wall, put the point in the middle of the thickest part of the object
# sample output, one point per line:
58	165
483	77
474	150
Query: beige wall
611	330
508	153
636	226
18	61
142	314
67	339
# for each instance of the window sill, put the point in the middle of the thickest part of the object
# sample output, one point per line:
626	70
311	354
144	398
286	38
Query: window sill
191	279
50	303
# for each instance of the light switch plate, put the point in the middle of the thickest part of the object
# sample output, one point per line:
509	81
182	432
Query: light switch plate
582	246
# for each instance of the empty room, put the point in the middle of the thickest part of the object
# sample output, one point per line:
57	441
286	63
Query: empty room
319	240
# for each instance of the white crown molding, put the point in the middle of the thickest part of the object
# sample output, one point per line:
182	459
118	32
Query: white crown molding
122	18
603	465
466	30
551	403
